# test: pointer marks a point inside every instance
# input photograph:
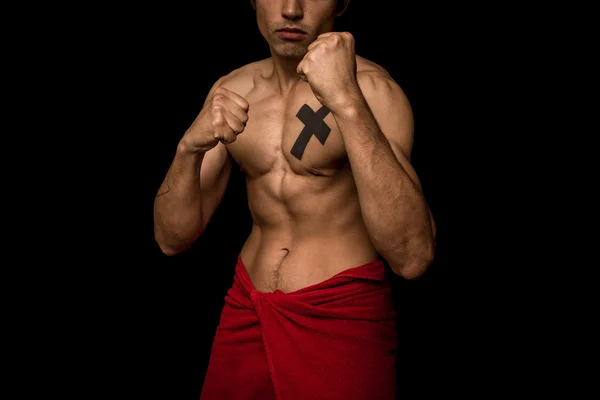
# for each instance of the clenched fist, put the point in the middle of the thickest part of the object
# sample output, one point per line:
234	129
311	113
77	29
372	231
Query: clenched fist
222	118
329	67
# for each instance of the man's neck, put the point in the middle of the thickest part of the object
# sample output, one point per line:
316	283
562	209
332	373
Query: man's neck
284	75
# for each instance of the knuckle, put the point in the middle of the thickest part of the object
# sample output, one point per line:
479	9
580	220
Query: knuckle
218	97
217	121
228	136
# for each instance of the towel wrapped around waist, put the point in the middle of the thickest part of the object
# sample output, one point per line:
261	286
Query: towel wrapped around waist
333	340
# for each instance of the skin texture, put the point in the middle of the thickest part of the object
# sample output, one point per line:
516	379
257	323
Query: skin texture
349	197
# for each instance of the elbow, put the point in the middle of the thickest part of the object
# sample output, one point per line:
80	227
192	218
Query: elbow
413	264
169	251
172	239
412	270
168	248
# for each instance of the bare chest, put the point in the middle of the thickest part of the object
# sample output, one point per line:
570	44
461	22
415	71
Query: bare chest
297	134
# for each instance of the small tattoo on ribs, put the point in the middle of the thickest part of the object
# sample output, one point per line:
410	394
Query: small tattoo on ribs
167	190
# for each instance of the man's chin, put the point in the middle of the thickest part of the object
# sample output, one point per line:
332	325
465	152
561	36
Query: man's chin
290	50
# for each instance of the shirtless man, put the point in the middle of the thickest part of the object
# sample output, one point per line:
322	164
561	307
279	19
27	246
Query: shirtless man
324	138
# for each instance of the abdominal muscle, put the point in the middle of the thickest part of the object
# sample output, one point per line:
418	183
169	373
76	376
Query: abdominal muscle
287	250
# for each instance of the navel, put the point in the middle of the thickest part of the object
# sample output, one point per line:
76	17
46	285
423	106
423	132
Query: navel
276	273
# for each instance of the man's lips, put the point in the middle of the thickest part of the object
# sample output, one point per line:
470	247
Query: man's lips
291	34
295	30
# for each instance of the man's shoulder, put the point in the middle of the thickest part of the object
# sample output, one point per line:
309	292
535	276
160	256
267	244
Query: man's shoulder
242	79
375	81
379	88
367	69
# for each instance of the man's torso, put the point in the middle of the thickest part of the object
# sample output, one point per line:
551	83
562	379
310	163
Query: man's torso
307	224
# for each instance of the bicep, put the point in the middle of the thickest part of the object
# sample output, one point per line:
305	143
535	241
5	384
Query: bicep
214	178
393	113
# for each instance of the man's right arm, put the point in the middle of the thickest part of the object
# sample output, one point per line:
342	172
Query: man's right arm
190	193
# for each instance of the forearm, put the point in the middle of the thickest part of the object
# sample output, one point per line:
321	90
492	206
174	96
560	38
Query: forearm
178	203
394	210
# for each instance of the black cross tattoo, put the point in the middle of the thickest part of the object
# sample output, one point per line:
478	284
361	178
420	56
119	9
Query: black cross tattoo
314	124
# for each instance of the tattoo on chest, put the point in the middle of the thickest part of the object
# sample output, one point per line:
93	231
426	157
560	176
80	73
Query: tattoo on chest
314	124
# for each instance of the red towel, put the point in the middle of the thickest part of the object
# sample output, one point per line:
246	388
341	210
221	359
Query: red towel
333	340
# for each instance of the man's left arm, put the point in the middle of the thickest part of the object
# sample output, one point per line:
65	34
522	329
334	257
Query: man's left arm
376	124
